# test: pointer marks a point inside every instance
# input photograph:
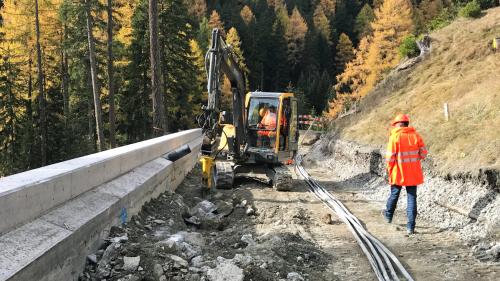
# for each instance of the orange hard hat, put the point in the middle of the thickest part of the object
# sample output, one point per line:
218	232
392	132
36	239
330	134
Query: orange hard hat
400	118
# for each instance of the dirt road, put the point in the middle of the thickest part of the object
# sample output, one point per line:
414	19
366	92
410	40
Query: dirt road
255	233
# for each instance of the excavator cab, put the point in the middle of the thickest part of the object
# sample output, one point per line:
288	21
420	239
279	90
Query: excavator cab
271	130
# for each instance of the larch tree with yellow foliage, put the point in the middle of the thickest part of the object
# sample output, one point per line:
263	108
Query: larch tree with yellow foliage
247	15
351	80
295	35
393	21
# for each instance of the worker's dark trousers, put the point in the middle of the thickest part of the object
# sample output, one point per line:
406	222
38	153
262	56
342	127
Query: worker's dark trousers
411	208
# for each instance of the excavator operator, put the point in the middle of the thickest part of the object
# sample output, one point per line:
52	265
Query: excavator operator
267	135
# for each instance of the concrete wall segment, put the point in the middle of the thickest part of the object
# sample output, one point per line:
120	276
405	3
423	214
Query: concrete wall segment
54	246
37	191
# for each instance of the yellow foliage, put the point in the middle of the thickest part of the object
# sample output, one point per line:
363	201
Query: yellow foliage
247	15
375	55
125	12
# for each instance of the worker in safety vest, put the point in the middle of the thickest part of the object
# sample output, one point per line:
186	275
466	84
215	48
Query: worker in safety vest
405	150
268	123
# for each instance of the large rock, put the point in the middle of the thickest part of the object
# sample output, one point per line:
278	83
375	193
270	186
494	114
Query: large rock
225	271
310	138
131	263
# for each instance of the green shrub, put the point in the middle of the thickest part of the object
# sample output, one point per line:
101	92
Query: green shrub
471	10
408	47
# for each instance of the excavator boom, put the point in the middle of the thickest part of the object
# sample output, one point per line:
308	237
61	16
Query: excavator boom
220	57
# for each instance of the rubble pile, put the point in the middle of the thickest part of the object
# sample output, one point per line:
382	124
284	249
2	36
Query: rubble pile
213	239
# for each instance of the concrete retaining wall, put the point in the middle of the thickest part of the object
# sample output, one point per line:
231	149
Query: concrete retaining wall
78	201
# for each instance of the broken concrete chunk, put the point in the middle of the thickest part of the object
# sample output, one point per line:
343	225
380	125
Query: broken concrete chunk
247	238
294	276
193	220
197	262
225	271
242	260
178	261
224	208
131	263
204	207
250	211
157	221
103	267
119	239
194	238
92	258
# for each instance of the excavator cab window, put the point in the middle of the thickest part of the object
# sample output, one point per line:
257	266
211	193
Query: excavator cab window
262	122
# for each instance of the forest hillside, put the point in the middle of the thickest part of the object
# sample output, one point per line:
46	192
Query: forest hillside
462	71
81	76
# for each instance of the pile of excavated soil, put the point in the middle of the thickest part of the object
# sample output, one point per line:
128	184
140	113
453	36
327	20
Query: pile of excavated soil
182	236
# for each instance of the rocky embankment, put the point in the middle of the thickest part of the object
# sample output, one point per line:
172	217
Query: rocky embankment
465	203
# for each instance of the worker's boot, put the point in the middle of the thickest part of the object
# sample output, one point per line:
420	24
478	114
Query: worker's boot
410	231
387	219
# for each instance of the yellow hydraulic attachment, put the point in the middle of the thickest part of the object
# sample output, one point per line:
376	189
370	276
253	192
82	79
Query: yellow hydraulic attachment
207	164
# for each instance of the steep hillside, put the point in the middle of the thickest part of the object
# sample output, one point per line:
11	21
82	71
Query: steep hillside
462	71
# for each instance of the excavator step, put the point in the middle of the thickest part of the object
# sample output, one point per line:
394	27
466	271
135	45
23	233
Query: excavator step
281	178
224	175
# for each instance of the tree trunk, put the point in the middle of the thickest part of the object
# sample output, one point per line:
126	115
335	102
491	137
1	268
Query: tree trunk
159	118
90	109
29	112
41	94
64	84
110	77
95	82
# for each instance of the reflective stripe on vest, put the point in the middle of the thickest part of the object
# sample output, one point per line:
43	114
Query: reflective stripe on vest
403	160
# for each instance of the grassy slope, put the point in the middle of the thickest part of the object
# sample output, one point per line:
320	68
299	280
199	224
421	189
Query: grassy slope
463	71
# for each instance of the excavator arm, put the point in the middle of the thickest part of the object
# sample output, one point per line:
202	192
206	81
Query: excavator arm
220	59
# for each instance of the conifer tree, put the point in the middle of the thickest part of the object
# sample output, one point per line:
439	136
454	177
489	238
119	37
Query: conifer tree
429	9
233	40
196	8
351	81
295	35
203	34
393	21
247	15
136	104
216	22
363	21
198	57
178	70
345	52
322	23
328	7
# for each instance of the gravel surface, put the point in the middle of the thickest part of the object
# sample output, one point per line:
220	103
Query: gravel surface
253	232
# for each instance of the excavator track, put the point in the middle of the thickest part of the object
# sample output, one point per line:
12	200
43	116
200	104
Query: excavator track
281	178
224	175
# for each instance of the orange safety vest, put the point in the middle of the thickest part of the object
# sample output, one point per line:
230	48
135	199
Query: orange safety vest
404	152
269	123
